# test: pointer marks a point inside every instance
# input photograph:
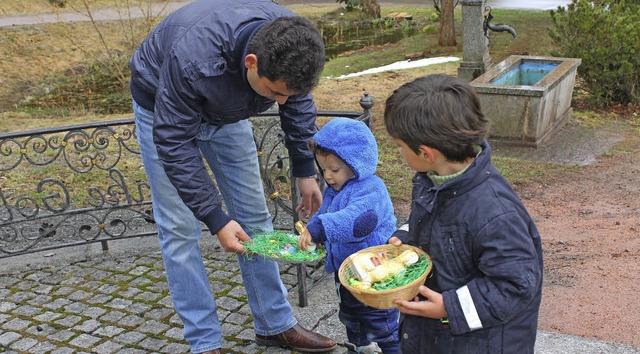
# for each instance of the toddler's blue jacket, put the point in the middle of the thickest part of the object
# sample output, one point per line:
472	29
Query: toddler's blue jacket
360	215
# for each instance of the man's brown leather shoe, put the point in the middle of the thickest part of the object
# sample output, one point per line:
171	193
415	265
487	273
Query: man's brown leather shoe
215	351
300	339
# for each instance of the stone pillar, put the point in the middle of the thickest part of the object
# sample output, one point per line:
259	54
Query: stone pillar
475	45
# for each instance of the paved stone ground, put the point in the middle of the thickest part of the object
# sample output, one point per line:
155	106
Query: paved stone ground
86	300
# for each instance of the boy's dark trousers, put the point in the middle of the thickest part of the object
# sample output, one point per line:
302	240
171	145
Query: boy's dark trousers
366	324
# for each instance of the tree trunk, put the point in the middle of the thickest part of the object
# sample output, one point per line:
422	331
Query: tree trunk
371	8
447	34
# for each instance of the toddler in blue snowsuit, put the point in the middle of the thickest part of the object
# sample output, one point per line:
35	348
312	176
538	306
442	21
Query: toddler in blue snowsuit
356	213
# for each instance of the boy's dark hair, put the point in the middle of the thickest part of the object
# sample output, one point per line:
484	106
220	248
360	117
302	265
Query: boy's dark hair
439	111
289	49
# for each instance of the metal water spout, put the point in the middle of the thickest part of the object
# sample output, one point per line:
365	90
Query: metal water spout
487	25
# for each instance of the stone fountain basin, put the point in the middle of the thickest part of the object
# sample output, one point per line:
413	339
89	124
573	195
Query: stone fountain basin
527	114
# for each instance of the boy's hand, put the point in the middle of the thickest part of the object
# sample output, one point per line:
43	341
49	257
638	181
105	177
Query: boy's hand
394	241
305	240
433	307
231	237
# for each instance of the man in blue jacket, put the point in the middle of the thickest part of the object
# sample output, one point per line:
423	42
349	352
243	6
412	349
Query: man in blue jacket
195	80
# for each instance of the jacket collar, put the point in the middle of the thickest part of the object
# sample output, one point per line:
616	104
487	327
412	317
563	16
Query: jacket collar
479	170
242	44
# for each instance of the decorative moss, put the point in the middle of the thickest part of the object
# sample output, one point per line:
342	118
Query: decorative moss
402	278
282	246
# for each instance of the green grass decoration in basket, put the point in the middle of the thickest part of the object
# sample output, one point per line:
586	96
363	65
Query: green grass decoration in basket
379	275
282	246
396	280
410	274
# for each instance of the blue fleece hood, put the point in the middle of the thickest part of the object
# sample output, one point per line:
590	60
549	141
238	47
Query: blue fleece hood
352	141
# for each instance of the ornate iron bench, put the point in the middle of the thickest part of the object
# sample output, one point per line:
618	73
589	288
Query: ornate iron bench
81	184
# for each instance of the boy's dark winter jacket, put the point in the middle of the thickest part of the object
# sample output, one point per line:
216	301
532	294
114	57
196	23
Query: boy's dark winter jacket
487	263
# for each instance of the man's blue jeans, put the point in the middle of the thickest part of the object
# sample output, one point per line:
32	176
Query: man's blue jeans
231	153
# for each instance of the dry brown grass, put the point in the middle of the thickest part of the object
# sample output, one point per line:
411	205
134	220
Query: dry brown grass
32	56
20	7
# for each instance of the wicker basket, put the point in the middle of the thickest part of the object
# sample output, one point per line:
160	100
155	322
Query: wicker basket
383	299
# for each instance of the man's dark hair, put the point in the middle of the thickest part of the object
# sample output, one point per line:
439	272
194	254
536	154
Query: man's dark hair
289	49
439	111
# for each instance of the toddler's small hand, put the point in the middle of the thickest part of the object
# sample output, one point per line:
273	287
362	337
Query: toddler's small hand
305	240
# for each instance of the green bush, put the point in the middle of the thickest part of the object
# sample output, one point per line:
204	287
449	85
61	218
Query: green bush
605	35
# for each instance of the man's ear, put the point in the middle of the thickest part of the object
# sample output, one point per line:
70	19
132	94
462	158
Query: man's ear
251	61
427	153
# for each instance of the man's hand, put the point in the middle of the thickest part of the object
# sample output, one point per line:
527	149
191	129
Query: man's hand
231	237
432	307
311	197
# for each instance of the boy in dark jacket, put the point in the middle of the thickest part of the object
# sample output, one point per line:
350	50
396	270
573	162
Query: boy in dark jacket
195	81
356	213
485	291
